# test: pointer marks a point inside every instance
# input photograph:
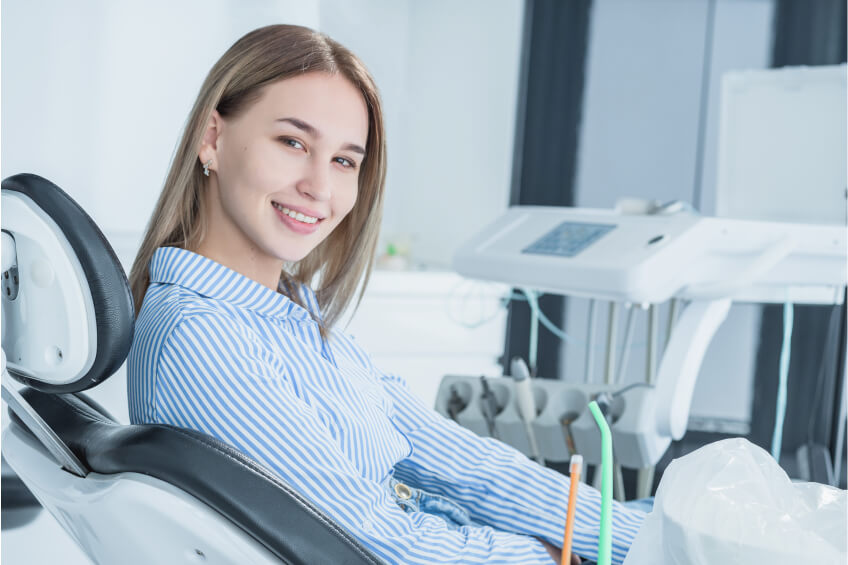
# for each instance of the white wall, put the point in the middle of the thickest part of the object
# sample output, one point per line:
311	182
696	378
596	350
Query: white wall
744	35
639	137
462	116
378	31
95	93
448	72
641	100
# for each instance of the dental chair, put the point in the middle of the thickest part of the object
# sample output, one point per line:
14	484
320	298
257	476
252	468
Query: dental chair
125	493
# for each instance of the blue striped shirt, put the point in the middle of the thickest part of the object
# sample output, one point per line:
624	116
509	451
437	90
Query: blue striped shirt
217	352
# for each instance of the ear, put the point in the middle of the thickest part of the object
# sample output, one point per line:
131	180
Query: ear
209	144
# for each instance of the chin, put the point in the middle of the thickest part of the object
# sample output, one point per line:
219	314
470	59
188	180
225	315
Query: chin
292	257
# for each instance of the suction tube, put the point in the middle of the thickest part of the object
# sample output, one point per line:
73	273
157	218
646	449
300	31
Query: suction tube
604	538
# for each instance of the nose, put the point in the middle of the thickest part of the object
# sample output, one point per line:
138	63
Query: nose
315	182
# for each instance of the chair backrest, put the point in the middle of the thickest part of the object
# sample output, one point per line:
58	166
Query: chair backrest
68	324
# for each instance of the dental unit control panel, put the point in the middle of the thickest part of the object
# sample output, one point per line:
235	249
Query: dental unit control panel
598	253
700	263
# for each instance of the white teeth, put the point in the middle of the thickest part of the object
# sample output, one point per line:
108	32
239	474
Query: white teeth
296	215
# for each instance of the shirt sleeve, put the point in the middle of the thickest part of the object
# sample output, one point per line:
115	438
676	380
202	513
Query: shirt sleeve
498	484
218	377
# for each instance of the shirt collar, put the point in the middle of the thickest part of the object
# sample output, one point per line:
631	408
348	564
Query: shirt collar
173	265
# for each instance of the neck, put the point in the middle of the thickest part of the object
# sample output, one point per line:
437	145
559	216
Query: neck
226	244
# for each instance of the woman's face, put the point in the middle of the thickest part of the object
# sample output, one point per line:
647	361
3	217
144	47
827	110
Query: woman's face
284	173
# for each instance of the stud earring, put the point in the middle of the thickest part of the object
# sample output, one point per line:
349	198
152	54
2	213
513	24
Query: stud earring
206	167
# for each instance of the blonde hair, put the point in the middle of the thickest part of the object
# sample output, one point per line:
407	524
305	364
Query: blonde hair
264	56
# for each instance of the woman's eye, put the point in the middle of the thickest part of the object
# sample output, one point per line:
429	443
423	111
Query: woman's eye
292	142
347	163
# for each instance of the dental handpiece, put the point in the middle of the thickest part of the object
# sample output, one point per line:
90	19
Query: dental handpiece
526	403
566	422
455	404
489	407
604	401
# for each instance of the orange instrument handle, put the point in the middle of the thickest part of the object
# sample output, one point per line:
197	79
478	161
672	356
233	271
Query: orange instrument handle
576	466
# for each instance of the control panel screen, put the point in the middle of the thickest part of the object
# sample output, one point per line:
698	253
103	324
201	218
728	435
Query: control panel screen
568	239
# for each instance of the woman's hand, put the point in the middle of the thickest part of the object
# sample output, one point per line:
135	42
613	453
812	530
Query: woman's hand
556	553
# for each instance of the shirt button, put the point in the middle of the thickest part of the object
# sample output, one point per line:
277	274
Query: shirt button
367	525
403	491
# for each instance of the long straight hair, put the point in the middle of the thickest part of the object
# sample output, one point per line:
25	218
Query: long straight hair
264	56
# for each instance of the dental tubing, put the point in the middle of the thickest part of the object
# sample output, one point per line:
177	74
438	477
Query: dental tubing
783	376
604	539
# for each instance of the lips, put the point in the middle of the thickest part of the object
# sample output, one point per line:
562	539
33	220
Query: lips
295	225
299	210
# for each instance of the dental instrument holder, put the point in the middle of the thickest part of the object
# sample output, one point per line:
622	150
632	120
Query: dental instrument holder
601	254
554	399
643	420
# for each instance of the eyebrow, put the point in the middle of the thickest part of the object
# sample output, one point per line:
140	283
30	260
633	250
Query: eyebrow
300	124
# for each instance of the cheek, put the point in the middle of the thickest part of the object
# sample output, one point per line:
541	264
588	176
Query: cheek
344	198
252	168
351	199
261	171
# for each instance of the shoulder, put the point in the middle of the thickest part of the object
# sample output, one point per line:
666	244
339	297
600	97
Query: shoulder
166	306
171	309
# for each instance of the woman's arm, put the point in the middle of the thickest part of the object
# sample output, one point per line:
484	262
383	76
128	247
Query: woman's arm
215	376
498	484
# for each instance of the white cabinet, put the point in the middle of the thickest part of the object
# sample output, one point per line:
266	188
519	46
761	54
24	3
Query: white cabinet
422	325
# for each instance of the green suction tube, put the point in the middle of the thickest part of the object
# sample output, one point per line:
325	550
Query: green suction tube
605	537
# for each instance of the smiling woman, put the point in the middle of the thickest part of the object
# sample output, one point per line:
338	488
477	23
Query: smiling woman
265	226
279	187
286	117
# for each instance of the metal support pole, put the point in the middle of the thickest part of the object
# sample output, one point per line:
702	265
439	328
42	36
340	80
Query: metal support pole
628	339
618	483
590	342
612	328
673	311
645	476
842	422
653	346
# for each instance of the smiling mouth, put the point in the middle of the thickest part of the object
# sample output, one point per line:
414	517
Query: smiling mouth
303	218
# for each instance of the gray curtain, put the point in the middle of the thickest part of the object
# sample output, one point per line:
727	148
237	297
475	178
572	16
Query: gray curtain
805	33
556	34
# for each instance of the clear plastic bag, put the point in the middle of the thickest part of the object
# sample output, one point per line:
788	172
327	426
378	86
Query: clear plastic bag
730	503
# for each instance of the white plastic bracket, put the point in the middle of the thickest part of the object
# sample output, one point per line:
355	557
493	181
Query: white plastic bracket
37	425
682	360
7	254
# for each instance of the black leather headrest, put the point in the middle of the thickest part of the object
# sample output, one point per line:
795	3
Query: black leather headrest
110	291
